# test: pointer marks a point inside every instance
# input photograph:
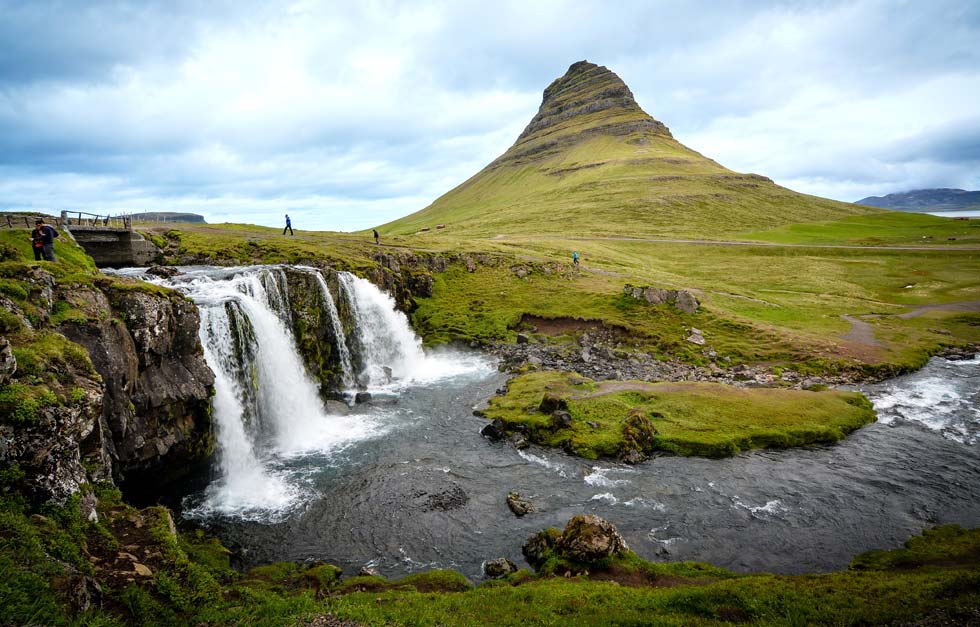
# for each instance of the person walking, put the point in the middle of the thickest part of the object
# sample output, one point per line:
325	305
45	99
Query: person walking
42	240
289	226
575	257
377	238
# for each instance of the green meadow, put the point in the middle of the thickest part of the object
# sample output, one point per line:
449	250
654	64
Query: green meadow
687	418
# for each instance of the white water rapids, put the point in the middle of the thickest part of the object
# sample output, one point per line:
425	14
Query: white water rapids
267	409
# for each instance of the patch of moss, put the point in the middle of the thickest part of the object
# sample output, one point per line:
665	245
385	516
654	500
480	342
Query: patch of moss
22	404
610	419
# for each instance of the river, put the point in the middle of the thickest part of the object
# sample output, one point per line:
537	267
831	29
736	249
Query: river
406	483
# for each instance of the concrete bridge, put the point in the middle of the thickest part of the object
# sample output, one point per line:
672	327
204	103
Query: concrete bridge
110	242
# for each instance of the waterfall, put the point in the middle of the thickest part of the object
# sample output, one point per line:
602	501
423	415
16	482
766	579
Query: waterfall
267	410
338	331
266	407
385	337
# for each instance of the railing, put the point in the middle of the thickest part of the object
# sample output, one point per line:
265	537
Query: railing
21	220
81	218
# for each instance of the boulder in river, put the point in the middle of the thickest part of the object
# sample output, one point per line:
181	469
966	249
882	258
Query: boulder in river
518	505
586	541
500	567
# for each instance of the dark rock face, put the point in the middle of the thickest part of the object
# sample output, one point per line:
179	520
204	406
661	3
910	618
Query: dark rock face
157	386
313	329
584	90
500	567
49	451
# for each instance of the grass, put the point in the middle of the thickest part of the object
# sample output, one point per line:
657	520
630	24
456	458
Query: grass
759	304
637	185
885	229
704	419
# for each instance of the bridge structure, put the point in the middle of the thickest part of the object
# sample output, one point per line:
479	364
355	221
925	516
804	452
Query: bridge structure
110	241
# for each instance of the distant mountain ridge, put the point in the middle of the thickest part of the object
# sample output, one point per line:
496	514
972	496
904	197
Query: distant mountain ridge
592	162
168	216
939	199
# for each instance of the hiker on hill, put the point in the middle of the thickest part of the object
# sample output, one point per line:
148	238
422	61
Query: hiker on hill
575	257
42	240
289	226
377	238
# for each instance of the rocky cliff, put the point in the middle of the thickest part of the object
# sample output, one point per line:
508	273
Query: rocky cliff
103	379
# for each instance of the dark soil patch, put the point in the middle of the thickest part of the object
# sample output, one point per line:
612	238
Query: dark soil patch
564	326
640	579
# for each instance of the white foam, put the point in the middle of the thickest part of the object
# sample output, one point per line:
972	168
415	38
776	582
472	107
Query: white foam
772	509
598	478
943	398
605	496
541	461
639	501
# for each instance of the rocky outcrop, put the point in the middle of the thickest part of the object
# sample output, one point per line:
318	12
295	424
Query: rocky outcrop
157	386
682	299
498	568
49	450
584	91
8	364
316	338
587	540
113	385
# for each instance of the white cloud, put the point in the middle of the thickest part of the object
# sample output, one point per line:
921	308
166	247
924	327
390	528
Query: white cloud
353	115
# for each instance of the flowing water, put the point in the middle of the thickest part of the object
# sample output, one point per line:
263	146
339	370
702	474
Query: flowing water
405	482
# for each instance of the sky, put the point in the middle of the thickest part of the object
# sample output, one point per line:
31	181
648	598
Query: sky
347	115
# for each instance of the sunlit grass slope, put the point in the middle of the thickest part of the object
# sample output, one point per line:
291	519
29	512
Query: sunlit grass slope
592	162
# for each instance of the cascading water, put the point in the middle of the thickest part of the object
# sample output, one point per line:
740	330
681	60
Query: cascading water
338	330
266	408
272	428
386	339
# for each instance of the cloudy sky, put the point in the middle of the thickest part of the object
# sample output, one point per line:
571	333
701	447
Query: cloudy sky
350	114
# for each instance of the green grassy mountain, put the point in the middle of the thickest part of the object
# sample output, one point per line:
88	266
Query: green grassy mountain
592	162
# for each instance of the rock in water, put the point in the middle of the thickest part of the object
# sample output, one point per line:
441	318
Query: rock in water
500	567
588	538
519	505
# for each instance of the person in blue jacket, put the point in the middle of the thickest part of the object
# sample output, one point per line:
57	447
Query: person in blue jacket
575	257
289	226
42	240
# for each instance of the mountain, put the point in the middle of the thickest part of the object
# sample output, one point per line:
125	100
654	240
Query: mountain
592	162
168	216
943	199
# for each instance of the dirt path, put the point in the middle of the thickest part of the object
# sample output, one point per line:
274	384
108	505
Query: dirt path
707	242
965	306
861	332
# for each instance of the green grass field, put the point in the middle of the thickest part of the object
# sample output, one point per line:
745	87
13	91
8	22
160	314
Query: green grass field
704	419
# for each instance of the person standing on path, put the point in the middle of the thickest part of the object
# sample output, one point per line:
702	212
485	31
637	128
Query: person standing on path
42	240
377	238
289	226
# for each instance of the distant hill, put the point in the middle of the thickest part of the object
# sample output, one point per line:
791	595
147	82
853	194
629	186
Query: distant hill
592	162
943	199
168	216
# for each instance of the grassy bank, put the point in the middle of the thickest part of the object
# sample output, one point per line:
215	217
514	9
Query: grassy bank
759	304
609	419
150	576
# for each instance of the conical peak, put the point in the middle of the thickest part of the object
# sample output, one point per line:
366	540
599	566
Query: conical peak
584	79
587	88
